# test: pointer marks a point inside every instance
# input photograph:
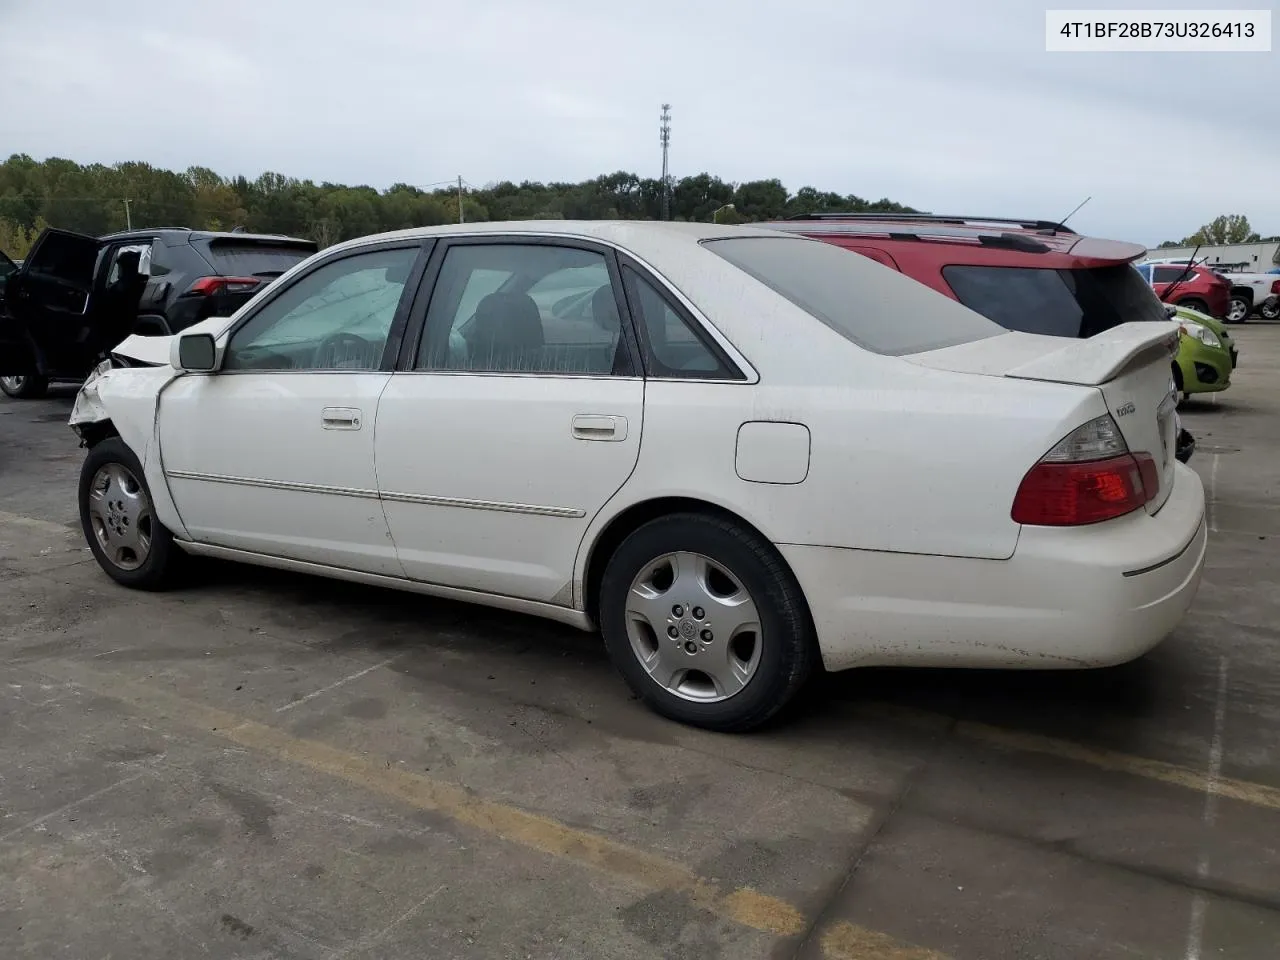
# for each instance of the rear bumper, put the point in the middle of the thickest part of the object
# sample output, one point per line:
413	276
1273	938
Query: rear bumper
1067	599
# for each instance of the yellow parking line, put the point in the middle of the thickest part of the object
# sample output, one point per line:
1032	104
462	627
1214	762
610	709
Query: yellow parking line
844	941
1257	794
742	905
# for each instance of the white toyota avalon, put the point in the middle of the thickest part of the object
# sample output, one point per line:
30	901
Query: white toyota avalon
741	455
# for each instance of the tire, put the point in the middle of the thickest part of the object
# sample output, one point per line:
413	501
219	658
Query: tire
113	520
744	684
1238	310
1270	309
1195	305
24	388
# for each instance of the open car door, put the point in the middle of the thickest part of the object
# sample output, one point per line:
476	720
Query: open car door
48	303
16	356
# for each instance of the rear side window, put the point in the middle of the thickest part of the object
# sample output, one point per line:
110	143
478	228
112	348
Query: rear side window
885	312
238	258
1170	274
1059	303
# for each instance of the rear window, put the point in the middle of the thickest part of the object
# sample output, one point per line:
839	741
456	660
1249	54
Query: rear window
239	258
875	307
1061	303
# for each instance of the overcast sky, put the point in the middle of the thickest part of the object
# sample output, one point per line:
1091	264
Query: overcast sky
947	105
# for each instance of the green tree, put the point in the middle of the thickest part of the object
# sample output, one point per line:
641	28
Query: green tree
1227	228
91	198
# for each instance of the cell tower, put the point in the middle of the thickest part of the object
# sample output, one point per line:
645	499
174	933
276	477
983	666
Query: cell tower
666	178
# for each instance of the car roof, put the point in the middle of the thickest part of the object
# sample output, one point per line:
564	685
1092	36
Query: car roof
633	234
186	234
1014	234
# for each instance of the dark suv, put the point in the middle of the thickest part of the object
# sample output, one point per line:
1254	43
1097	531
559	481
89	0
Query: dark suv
75	297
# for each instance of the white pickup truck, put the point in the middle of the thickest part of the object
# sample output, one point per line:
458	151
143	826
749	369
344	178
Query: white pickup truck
1250	292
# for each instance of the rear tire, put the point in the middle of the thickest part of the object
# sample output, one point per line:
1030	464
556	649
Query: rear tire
119	522
1195	305
24	388
705	622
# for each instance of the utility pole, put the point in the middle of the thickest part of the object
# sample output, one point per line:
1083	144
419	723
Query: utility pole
128	218
460	218
666	178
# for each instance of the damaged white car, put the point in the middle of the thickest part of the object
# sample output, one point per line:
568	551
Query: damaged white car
742	455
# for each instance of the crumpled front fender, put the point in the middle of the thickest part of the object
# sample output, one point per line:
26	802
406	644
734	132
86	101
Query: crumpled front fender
129	398
89	407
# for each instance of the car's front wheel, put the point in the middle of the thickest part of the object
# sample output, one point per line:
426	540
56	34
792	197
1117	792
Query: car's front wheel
705	622
1270	309
119	520
24	388
1239	309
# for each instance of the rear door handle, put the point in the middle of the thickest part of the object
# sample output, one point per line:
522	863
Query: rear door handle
599	427
340	418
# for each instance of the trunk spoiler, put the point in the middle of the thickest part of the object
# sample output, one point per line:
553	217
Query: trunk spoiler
1103	357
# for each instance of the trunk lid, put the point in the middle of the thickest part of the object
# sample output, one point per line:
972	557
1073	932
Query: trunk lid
1130	365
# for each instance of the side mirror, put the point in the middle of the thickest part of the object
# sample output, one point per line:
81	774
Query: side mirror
194	353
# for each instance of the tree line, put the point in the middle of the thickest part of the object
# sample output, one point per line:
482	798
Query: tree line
99	198
1223	229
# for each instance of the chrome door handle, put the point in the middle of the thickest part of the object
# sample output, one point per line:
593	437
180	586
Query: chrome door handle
599	427
340	418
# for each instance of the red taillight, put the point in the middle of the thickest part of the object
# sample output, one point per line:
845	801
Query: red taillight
208	286
1088	477
1275	287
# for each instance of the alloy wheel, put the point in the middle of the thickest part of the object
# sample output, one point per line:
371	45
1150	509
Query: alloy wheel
13	385
693	627
1237	311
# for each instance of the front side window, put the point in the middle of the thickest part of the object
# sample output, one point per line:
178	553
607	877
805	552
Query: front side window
524	308
337	317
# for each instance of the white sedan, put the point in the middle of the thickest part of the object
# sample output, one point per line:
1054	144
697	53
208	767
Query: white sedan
741	455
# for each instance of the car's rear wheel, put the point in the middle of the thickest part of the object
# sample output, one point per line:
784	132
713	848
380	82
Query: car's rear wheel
1193	304
705	622
24	388
1238	310
119	520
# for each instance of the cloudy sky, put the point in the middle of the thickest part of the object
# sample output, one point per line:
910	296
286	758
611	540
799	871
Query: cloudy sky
948	105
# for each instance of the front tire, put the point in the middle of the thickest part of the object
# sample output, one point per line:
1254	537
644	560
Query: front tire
1238	310
705	622
119	521
24	388
1270	309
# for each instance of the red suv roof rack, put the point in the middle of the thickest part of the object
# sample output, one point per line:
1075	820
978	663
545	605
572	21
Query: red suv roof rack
1049	226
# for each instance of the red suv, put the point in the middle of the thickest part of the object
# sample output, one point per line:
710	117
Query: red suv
1031	275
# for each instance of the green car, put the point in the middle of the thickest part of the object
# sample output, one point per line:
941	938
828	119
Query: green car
1206	354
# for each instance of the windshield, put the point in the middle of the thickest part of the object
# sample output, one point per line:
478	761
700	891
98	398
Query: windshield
884	311
1061	303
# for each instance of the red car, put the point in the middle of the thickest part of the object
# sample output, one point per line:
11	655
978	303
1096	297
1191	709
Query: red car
1200	288
1031	275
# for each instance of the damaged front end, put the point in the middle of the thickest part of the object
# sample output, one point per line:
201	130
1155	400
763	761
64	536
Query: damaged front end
90	419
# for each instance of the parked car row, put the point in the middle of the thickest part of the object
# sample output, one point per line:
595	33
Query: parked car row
75	297
841	466
1201	286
